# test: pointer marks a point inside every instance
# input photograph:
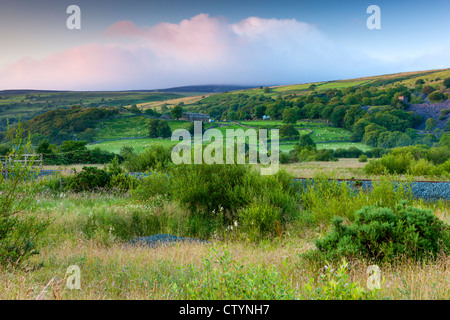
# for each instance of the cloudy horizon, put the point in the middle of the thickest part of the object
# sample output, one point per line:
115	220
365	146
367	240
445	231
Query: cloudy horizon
125	49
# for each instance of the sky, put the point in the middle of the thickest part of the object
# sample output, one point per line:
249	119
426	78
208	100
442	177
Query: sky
140	45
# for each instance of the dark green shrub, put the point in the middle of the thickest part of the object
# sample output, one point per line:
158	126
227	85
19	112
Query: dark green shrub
436	96
159	128
351	152
122	183
210	188
4	149
153	185
284	158
362	158
90	178
226	195
323	155
385	234
114	167
94	156
446	82
427	89
155	158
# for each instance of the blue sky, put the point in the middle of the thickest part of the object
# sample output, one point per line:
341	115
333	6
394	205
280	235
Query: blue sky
124	45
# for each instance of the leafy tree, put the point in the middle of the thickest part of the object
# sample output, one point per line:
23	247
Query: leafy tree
359	130
176	112
366	101
288	131
134	109
445	140
260	111
289	116
382	100
306	141
71	145
351	99
114	167
156	157
152	112
45	147
153	128
351	115
412	133
159	129
372	133
338	115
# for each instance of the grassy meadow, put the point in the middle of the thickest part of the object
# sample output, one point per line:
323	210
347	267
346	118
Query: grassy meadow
325	136
91	229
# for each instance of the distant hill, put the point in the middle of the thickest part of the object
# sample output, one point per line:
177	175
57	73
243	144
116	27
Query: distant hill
205	88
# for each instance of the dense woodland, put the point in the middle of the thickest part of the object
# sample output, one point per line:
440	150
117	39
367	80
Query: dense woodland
375	116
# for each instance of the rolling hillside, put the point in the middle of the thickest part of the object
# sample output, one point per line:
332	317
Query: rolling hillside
334	113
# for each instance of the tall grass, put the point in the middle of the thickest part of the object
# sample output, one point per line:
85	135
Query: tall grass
324	198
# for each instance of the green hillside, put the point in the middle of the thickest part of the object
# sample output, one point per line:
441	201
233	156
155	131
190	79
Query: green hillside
29	104
362	113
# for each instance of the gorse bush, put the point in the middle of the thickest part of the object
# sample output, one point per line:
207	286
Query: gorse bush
122	182
209	189
217	196
385	234
88	179
157	183
229	194
155	158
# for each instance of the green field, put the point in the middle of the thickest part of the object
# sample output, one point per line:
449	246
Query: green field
130	127
138	127
320	131
137	144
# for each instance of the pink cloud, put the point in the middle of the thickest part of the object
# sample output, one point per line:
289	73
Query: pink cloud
78	68
199	50
123	29
199	39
